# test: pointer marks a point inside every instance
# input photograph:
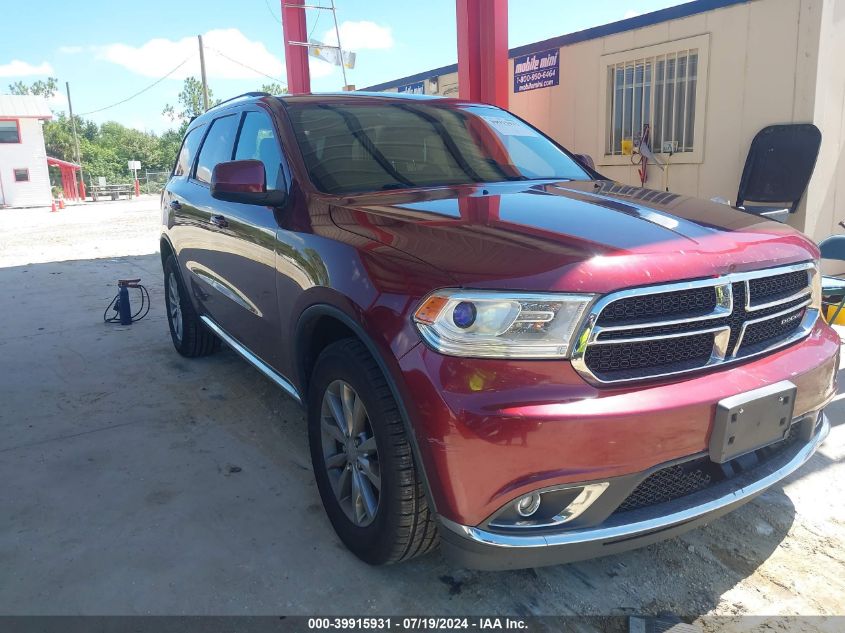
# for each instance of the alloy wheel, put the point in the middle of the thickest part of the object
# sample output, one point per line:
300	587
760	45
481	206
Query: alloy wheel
173	306
350	454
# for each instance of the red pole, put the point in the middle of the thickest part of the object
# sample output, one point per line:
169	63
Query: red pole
294	29
65	186
483	51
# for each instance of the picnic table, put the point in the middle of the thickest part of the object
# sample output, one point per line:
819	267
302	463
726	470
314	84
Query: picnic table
111	191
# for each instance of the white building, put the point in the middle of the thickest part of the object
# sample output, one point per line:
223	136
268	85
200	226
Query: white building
24	176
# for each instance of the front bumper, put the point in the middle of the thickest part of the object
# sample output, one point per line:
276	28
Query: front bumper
489	431
478	548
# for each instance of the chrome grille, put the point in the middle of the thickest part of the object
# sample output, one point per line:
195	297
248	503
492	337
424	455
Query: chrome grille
676	328
638	307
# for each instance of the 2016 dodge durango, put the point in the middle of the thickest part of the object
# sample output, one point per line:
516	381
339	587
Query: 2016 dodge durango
499	350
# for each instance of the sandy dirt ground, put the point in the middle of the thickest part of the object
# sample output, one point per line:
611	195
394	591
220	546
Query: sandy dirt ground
118	494
81	231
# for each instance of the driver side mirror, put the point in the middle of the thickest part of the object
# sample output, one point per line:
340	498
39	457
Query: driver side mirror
244	181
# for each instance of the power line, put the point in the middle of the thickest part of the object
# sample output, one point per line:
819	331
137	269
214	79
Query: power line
140	92
278	19
316	22
247	66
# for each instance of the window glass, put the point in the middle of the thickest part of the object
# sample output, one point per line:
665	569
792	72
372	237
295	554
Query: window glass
9	132
349	148
670	83
258	141
21	175
188	151
217	147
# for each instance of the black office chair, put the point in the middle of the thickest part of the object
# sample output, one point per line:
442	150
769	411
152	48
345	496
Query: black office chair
833	288
778	168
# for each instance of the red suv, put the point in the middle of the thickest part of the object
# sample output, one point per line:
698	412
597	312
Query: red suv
499	349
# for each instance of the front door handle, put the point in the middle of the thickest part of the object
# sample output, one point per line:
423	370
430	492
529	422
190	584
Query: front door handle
218	221
175	205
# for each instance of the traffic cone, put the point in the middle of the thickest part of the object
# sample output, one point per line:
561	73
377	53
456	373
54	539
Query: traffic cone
61	202
53	206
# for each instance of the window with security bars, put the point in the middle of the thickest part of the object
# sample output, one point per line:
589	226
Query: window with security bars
658	91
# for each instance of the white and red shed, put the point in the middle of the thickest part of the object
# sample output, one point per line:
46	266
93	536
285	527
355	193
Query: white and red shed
24	175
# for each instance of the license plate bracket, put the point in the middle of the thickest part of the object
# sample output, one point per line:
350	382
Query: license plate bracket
751	420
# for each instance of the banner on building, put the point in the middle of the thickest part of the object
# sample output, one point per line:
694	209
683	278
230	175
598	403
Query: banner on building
536	70
416	88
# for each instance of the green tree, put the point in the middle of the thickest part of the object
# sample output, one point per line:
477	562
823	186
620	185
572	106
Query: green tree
273	88
189	103
58	137
46	89
106	148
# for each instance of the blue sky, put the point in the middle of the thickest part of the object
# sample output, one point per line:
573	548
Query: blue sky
109	50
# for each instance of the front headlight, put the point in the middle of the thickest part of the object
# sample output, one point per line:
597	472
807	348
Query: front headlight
500	324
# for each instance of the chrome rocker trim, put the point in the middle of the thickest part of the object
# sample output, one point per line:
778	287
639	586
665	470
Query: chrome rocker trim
599	535
253	360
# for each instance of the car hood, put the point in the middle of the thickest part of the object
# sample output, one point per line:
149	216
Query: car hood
592	236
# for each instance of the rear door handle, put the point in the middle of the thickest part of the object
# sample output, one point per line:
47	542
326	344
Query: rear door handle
175	205
218	221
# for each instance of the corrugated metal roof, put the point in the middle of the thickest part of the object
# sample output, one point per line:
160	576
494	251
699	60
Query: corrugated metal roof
24	106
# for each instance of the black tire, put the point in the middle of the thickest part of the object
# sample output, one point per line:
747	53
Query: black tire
403	526
194	339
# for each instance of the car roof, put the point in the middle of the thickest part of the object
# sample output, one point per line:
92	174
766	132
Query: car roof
359	94
360	97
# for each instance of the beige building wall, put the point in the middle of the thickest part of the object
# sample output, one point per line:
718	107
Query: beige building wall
760	60
825	206
766	62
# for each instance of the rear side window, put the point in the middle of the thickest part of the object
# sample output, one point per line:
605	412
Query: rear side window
218	146
188	151
258	141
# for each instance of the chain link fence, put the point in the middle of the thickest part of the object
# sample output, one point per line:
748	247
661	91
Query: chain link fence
153	181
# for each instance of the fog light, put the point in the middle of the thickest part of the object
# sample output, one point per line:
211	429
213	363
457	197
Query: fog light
528	504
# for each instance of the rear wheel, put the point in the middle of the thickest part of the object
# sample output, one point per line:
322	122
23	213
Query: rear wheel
363	463
190	336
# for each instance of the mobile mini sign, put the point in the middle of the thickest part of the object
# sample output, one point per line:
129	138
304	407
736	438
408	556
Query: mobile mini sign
416	88
537	70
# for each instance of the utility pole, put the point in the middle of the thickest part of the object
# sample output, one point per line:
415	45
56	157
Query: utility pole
75	141
339	48
204	80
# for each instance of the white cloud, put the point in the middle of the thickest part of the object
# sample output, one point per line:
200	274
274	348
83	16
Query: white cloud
320	68
631	13
70	50
247	59
58	101
359	36
17	68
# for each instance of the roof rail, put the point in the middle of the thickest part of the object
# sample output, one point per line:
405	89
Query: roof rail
246	94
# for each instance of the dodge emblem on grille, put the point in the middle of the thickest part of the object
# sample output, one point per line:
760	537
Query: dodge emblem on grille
789	319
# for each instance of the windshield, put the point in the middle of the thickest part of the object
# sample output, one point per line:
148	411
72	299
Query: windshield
356	148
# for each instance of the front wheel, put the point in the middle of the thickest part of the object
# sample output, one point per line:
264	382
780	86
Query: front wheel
363	463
